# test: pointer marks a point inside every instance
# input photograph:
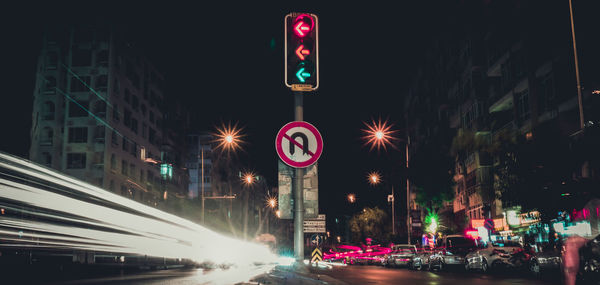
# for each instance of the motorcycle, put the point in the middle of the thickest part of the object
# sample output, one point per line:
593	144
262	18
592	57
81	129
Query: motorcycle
589	263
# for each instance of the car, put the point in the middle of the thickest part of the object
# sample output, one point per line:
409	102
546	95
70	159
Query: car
547	259
497	255
421	259
401	255
452	252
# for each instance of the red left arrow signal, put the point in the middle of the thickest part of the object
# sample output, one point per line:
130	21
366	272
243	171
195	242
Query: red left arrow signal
301	52
301	28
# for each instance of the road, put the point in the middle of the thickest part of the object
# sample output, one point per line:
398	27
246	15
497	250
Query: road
381	275
340	275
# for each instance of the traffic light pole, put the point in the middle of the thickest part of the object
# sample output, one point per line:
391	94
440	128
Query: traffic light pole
299	190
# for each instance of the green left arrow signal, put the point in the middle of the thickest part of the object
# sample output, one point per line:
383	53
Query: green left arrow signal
302	75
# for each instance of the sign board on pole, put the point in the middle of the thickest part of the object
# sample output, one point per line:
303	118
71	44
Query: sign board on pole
316	225
311	191
317	255
299	144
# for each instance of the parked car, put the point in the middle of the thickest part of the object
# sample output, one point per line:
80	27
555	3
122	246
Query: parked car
451	252
545	260
497	255
401	255
421	259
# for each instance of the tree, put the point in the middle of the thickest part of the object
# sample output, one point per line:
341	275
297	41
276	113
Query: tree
431	170
370	223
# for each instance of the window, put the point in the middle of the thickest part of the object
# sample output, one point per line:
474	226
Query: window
127	118
76	160
124	166
81	57
135	80
102	58
80	84
548	93
77	109
114	139
47	136
135	102
143	108
523	105
132	171
115	113
99	134
151	117
46	159
78	135
111	186
113	162
51	60
100	108
151	135
144	131
125	144
150	176
133	149
116	87
134	125
48	111
127	96
50	85
142	175
98	159
102	83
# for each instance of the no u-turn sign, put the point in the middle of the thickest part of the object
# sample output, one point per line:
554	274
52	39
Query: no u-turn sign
299	144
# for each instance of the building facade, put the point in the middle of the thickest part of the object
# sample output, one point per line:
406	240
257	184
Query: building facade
98	113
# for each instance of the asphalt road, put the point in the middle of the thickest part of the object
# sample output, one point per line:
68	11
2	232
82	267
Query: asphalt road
380	275
338	275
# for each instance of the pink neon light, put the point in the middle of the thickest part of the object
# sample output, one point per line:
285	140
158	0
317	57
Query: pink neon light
598	212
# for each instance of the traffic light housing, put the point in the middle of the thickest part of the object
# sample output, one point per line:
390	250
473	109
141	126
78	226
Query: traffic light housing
302	51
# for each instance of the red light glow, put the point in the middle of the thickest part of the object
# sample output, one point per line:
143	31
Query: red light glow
472	234
303	25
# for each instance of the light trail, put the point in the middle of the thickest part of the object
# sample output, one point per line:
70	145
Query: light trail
44	209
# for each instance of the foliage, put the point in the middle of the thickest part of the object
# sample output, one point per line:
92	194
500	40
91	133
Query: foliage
431	171
370	223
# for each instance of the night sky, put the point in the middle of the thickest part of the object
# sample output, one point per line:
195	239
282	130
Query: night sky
225	60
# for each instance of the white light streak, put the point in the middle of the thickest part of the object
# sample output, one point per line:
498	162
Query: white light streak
44	209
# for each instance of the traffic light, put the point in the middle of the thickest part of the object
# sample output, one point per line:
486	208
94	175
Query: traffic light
302	51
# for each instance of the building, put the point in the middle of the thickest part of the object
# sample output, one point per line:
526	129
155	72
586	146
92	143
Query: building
98	113
494	78
199	165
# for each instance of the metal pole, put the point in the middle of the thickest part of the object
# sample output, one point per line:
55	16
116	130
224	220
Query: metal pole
202	176
393	214
298	191
579	98
408	226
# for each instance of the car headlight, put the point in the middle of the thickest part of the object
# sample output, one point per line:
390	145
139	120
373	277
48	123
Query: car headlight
542	260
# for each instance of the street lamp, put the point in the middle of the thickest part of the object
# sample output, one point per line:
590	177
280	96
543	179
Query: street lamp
351	198
228	139
380	135
374	179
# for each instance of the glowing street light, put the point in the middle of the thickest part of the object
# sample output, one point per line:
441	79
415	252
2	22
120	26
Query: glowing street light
374	177
248	178
351	198
272	202
379	134
229	137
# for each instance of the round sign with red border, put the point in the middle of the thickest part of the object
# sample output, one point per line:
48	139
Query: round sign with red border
299	144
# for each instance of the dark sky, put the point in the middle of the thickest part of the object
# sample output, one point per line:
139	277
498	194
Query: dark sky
225	61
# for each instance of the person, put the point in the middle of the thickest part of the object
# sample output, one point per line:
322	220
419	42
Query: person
572	246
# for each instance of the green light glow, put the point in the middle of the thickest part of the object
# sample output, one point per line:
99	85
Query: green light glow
299	74
431	222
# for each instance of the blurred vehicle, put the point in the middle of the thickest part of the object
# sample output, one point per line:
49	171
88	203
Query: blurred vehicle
452	252
500	254
589	262
421	259
546	260
401	255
